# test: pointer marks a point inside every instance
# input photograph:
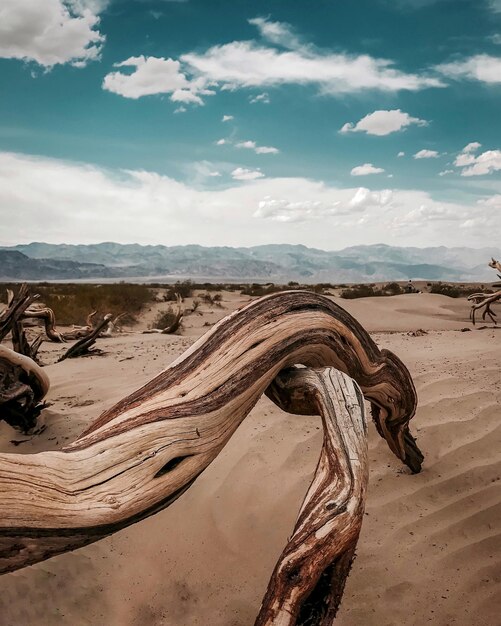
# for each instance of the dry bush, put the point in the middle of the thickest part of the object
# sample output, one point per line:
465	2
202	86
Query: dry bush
72	303
164	318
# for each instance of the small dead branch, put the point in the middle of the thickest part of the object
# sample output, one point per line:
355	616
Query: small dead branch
82	347
48	317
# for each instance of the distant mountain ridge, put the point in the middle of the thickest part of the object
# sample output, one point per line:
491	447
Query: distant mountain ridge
274	262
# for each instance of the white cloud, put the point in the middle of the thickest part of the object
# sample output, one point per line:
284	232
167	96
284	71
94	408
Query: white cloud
227	118
493	201
263	98
214	174
51	32
401	154
485	163
246	64
382	123
445	172
241	173
155	75
426	154
366	169
278	33
472	147
251	145
180	109
86	204
496	38
481	67
221	142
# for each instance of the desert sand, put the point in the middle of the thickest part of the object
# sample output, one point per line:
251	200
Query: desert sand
429	551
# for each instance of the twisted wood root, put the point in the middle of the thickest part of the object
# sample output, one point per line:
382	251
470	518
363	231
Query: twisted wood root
143	453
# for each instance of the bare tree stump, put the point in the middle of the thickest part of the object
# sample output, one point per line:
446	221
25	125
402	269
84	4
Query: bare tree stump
143	453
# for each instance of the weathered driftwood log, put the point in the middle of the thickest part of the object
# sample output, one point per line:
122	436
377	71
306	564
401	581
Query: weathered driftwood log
47	315
484	301
23	385
84	345
308	581
143	453
174	325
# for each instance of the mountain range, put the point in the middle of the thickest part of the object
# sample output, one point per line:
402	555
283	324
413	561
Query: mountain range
276	262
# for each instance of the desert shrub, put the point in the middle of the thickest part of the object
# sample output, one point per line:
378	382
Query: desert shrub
182	287
455	291
164	318
212	300
72	303
257	289
393	289
195	305
360	291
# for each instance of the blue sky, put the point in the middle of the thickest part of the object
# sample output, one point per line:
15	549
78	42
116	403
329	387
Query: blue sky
326	123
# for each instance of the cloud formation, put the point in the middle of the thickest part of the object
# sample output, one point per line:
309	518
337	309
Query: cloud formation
366	169
242	173
426	154
478	165
382	123
251	145
277	33
481	67
153	75
51	32
246	64
87	204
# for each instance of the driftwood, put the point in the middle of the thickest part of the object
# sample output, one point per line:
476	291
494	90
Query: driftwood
143	453
47	315
23	385
484	301
307	583
84	345
174	325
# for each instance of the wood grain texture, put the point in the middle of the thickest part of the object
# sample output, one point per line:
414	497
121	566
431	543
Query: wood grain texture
144	452
309	578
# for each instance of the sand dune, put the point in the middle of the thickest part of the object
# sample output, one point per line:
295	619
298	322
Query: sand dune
429	551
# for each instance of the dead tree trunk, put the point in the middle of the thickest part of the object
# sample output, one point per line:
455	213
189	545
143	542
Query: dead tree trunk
143	453
83	346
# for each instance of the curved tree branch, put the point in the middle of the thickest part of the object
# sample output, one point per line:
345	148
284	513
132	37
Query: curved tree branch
308	581
143	453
